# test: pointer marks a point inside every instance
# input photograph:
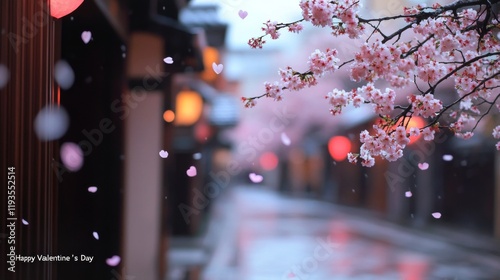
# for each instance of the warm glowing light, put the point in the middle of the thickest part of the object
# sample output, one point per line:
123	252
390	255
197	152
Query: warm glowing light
169	116
188	107
60	8
268	161
202	132
417	122
338	147
210	55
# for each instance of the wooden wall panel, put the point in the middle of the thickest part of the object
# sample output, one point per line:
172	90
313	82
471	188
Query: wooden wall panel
27	49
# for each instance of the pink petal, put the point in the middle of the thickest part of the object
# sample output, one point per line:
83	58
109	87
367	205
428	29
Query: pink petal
436	215
255	178
217	68
423	166
168	60
113	261
285	139
163	154
191	172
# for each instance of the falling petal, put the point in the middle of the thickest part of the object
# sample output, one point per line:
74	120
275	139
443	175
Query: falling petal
96	235
64	74
25	222
242	14
4	75
86	36
191	172
423	166
51	123
92	189
408	194
255	178
168	60
285	139
217	68
113	261
71	156
436	215
163	154
447	157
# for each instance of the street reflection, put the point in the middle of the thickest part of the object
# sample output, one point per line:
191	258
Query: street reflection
266	235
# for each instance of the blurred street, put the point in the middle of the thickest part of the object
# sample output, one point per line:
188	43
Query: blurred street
259	234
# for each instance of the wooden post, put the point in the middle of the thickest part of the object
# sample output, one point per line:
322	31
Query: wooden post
496	216
27	50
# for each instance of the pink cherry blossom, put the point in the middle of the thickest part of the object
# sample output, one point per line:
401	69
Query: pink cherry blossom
428	134
436	45
496	132
270	29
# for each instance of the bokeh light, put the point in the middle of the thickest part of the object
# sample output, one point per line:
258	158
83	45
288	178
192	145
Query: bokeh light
51	123
268	161
64	74
338	147
71	156
169	116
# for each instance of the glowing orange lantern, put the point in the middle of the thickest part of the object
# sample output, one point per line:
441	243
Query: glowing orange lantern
188	108
338	147
60	8
268	161
210	55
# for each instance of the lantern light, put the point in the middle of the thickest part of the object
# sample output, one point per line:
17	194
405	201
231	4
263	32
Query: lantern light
210	55
60	8
188	108
338	147
417	122
268	161
169	116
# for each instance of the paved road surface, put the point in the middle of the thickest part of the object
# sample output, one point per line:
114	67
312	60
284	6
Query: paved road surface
262	235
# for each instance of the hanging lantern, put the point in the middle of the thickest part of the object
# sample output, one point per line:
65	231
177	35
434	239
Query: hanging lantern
338	147
268	161
60	8
188	108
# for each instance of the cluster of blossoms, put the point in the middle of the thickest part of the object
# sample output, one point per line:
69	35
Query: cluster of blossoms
340	16
382	102
496	135
271	29
388	146
425	105
321	63
455	42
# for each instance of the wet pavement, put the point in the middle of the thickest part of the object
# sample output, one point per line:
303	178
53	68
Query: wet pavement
257	234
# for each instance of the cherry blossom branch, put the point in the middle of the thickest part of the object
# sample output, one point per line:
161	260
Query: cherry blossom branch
446	108
485	113
456	43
